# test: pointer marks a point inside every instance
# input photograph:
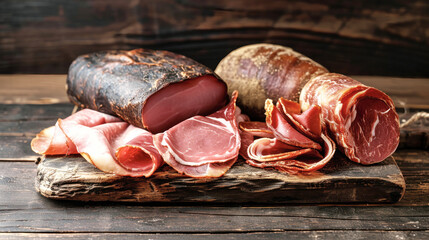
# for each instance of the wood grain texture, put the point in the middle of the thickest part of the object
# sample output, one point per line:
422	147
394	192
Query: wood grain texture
214	220
374	38
340	181
32	89
23	210
226	236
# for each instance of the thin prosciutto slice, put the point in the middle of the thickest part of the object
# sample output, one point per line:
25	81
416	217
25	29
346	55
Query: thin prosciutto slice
107	142
298	163
308	122
257	129
298	145
283	130
202	146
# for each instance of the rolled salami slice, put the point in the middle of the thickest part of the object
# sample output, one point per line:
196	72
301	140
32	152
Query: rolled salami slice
147	88
361	119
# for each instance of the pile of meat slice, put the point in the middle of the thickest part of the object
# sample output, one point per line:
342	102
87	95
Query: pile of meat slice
289	141
201	146
197	147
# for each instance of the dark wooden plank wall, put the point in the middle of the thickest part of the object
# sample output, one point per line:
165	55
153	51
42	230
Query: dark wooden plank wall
386	37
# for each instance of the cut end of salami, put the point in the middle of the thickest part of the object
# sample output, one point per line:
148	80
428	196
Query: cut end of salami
374	131
362	119
182	100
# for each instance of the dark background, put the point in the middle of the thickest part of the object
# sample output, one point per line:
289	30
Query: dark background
386	37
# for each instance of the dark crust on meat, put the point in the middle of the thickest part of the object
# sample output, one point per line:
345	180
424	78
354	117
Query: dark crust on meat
262	71
120	82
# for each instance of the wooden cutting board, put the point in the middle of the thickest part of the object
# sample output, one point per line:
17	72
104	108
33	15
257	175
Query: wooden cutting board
341	181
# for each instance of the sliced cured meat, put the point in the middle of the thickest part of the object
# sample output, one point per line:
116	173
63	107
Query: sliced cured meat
288	106
307	122
300	164
212	169
257	129
202	146
246	137
290	150
107	142
52	141
362	119
147	88
246	140
271	149
283	130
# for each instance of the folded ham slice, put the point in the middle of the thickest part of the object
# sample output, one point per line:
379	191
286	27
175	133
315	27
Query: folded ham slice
297	161
202	146
284	131
298	145
308	122
107	142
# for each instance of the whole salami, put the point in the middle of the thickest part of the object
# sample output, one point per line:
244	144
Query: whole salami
262	71
147	88
361	119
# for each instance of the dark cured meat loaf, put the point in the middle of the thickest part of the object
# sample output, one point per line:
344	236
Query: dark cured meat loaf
122	82
262	71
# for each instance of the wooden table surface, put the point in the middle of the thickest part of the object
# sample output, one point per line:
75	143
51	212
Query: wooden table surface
29	103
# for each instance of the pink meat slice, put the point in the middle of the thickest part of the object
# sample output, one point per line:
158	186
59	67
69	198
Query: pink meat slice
202	146
271	149
310	121
289	151
111	145
52	141
307	122
283	130
257	129
288	106
300	162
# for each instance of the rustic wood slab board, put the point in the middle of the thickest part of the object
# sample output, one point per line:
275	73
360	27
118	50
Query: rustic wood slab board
341	181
